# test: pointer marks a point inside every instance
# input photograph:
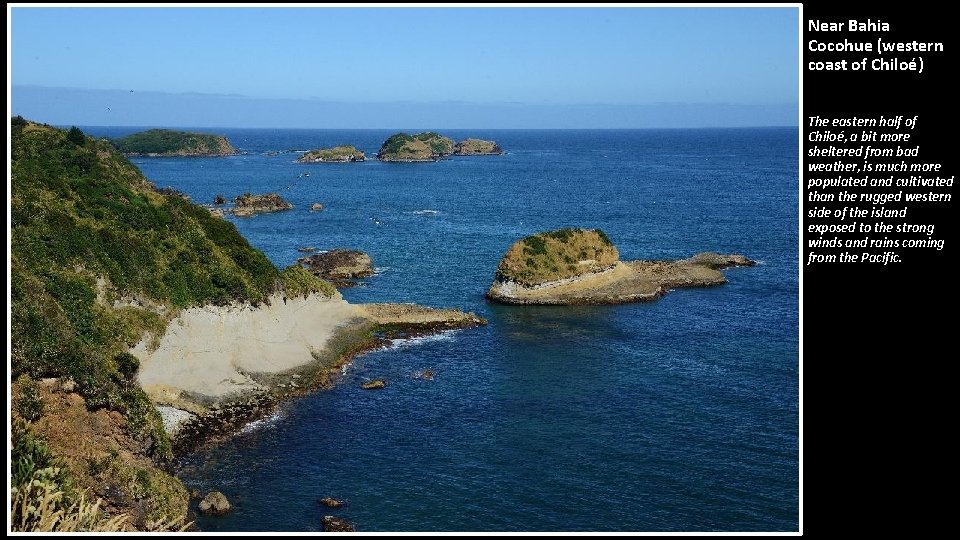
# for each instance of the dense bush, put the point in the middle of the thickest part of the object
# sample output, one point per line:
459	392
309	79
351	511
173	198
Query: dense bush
28	401
87	229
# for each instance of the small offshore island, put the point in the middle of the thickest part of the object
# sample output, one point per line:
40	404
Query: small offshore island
337	154
432	146
144	326
582	266
170	143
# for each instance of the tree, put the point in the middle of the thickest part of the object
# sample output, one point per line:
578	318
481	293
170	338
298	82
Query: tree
76	136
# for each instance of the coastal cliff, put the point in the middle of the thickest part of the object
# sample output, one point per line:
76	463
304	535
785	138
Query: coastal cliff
577	266
103	264
170	143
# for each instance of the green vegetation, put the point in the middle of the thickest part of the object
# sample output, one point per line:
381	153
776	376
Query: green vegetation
440	145
33	467
298	281
76	136
28	402
45	496
86	236
555	255
165	142
98	258
337	154
426	146
477	147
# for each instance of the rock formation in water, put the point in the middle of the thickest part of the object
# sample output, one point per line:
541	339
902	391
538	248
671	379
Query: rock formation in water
215	503
337	154
477	147
338	264
248	204
577	266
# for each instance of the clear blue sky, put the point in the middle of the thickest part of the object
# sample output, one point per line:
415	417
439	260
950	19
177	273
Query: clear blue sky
550	57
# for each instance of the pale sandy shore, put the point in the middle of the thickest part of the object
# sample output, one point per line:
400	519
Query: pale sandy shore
212	350
217	355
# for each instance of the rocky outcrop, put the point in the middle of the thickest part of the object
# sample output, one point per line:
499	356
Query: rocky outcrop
376	384
339	264
248	204
477	147
335	524
215	503
337	154
426	146
170	143
330	502
316	207
595	275
719	262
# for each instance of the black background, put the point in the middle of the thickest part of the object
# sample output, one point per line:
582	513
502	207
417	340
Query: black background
877	339
894	303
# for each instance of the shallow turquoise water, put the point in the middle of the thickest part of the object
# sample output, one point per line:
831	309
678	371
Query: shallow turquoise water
676	415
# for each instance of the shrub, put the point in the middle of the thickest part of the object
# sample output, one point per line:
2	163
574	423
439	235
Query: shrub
29	402
127	365
76	136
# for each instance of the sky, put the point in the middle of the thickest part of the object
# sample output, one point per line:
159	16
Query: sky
377	67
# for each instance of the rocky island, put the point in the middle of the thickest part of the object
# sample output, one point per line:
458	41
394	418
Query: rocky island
170	143
248	204
338	265
477	147
337	154
578	266
426	146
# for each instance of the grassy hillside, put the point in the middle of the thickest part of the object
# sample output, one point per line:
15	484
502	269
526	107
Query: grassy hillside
98	258
555	255
166	142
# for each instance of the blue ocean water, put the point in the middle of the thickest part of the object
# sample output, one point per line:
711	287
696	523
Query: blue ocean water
680	414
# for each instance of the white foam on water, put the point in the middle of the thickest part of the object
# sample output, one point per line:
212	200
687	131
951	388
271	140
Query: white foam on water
402	343
262	423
